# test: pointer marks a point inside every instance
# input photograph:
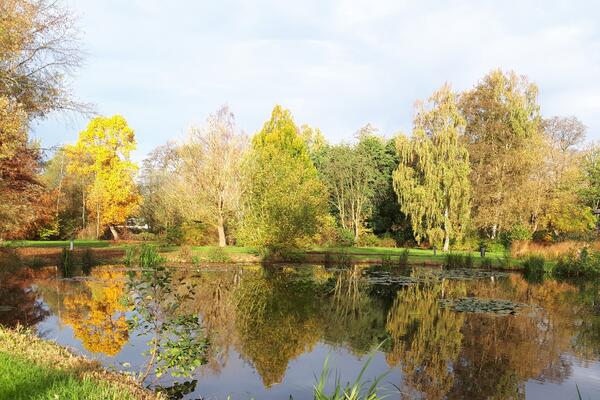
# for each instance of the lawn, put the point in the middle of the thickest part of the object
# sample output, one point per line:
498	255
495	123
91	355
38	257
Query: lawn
32	368
21	379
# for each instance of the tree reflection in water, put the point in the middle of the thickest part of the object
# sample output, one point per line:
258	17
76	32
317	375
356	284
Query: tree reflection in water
272	316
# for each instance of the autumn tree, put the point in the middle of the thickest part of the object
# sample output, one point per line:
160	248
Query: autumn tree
558	181
432	179
504	140
102	154
160	183
284	200
211	171
39	51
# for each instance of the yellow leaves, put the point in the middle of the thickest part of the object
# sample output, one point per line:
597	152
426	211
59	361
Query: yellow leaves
97	314
102	155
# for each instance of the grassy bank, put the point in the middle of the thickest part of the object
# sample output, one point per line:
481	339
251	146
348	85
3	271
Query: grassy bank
31	368
49	251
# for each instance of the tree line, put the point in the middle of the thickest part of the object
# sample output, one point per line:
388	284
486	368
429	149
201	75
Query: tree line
479	165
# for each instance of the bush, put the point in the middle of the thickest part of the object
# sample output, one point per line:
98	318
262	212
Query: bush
185	254
217	255
518	232
534	265
586	263
144	236
174	235
403	258
345	238
492	246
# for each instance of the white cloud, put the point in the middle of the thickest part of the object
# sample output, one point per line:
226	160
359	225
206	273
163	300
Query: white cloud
336	65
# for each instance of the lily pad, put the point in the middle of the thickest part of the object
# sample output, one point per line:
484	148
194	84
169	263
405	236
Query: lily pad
488	306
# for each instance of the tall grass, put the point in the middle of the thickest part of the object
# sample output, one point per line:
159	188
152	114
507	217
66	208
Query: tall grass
535	265
360	389
455	260
550	251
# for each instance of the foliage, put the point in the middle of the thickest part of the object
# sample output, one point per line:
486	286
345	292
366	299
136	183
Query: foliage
502	128
211	172
432	179
518	232
177	343
585	263
102	154
345	238
284	200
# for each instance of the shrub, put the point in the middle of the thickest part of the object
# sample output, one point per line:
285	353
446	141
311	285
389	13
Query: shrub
586	263
493	246
174	235
368	240
144	236
518	232
534	265
217	255
345	238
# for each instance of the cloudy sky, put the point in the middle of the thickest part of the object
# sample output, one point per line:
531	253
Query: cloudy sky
336	64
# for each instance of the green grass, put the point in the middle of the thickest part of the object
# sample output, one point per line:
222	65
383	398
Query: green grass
21	379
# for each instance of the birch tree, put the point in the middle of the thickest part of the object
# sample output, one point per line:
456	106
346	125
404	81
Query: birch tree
211	171
432	178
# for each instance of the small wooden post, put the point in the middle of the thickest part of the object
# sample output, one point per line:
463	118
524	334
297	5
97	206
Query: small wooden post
434	250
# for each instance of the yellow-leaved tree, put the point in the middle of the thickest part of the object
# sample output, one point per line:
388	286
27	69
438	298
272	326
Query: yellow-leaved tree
101	157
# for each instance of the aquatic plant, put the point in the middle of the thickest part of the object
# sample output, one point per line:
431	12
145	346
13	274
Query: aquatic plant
360	389
479	305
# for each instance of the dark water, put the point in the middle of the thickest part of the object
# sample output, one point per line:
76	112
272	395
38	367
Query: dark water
271	329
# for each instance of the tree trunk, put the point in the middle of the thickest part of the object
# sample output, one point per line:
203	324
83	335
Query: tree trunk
114	232
446	230
446	241
221	230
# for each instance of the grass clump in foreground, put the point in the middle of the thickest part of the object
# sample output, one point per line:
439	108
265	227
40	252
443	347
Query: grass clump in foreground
31	368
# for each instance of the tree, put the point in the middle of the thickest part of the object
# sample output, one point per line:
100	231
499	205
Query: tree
102	154
558	181
160	186
432	179
39	50
354	177
210	166
284	200
504	141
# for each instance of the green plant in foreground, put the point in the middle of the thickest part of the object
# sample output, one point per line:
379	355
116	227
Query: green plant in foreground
178	345
586	263
357	390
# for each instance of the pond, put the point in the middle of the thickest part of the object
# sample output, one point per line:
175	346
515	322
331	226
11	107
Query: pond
439	334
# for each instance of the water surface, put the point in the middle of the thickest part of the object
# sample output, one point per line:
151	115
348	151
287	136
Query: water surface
271	328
